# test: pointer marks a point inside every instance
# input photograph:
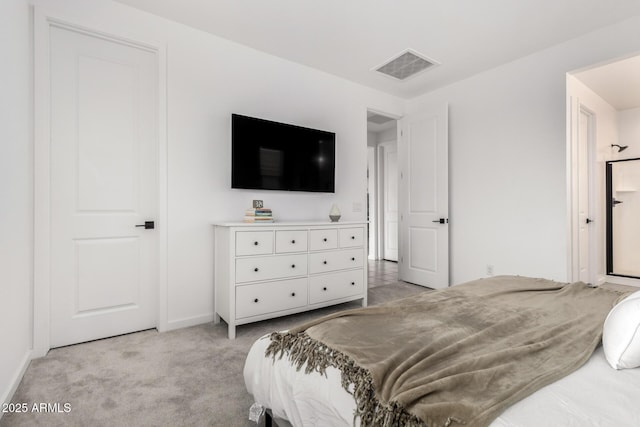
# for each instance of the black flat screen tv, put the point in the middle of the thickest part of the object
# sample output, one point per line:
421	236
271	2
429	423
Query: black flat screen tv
268	155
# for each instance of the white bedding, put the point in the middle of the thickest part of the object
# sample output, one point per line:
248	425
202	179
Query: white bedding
595	395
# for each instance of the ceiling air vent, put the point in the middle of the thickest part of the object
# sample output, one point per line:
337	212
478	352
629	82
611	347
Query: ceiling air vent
407	64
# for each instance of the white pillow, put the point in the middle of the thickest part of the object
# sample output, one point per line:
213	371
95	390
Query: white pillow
621	334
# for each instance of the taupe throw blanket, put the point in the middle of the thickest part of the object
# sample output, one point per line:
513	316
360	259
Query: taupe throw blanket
453	357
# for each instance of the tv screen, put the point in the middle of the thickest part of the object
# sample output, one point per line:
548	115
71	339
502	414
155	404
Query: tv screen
267	155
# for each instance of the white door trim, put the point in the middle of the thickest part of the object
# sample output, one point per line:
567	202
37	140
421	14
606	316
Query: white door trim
573	108
572	184
591	173
42	189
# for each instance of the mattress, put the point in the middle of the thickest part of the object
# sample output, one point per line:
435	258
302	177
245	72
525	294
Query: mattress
594	395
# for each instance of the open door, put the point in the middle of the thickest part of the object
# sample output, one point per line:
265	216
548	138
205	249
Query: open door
388	152
423	198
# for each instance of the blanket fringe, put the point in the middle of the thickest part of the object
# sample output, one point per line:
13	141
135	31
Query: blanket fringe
302	349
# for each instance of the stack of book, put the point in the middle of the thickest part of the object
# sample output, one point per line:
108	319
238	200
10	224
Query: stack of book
258	215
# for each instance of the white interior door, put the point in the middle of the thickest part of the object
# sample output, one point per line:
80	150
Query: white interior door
585	137
103	183
389	153
423	198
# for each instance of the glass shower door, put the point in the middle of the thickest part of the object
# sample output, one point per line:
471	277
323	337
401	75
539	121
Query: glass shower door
623	217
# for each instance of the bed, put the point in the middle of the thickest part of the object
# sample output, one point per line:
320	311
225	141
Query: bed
576	387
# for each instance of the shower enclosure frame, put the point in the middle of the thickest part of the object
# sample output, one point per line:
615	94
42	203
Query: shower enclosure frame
610	204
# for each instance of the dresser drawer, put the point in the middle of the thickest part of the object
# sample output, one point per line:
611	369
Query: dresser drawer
254	243
351	237
323	239
332	286
264	298
291	241
323	262
272	267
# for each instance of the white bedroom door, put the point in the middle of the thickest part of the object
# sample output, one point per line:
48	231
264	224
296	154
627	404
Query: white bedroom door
104	267
585	138
423	198
389	153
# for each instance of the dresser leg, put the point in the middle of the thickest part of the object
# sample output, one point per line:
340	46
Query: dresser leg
232	332
216	318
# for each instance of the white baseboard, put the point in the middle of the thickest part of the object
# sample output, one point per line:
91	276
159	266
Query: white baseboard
190	321
17	378
620	280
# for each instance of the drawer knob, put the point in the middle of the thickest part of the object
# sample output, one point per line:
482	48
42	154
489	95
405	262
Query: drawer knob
255	243
324	289
324	262
325	239
293	242
353	237
293	294
353	283
256	300
293	266
353	259
255	269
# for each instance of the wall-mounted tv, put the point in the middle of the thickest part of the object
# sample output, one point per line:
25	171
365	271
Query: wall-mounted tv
268	155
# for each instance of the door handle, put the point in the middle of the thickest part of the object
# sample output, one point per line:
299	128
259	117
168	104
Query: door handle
589	221
148	225
441	220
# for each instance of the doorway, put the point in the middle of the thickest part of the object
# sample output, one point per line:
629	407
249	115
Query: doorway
382	188
603	125
412	212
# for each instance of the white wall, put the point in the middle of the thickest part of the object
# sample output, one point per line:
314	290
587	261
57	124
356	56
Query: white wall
226	79
16	194
629	132
372	139
388	135
626	244
507	147
208	79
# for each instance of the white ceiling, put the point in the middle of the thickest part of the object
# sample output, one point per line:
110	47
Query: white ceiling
349	38
617	83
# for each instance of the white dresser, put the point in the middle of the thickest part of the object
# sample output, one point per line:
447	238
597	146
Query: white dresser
269	270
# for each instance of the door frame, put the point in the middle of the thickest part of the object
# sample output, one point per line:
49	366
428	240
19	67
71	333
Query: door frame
42	158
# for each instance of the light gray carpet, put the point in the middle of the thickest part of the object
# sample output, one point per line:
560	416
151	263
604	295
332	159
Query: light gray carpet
188	377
